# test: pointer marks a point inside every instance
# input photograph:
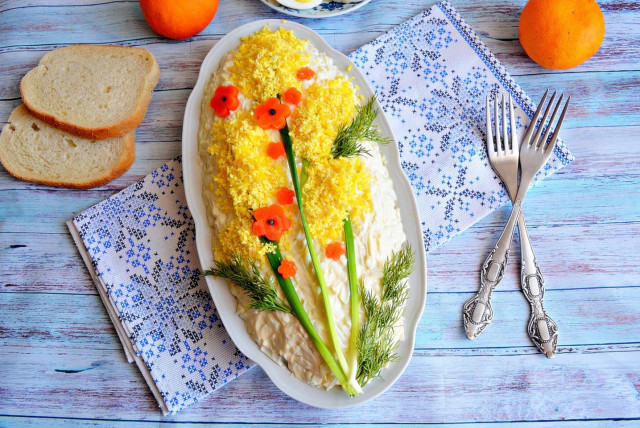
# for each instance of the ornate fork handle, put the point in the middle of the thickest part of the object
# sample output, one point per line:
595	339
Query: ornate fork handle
477	312
542	330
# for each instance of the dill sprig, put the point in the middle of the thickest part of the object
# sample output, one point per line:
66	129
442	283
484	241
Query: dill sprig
347	142
395	269
376	345
263	294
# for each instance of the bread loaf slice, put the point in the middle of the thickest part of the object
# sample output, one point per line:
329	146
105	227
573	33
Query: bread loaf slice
32	150
93	91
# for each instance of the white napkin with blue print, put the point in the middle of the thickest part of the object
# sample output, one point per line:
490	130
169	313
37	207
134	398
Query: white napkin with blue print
431	75
139	246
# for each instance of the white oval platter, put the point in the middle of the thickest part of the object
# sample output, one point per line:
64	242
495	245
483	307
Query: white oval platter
222	297
323	10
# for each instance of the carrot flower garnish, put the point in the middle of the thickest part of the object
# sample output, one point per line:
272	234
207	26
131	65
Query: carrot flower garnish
287	269
270	222
225	100
272	114
285	196
334	251
292	96
275	150
305	73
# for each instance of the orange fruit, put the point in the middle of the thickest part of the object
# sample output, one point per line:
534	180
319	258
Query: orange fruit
561	34
178	19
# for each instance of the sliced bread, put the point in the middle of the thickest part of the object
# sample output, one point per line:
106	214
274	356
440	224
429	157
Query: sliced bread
32	150
93	91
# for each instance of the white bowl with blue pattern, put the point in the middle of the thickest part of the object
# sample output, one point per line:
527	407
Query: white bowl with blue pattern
323	10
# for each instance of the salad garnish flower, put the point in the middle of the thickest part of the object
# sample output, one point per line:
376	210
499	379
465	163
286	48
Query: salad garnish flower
225	100
270	222
272	114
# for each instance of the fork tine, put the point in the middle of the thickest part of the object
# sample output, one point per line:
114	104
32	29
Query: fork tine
553	116
514	134
532	125
490	144
536	137
554	137
496	120
505	139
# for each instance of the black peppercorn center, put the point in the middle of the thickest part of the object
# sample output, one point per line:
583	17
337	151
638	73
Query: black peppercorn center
270	222
272	112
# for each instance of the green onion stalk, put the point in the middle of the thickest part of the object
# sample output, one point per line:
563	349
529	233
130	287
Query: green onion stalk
354	303
288	147
275	259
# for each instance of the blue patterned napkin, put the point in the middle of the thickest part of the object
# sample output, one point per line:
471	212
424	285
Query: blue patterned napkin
431	75
139	246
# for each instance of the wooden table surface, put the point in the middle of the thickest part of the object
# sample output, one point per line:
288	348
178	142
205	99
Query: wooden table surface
61	362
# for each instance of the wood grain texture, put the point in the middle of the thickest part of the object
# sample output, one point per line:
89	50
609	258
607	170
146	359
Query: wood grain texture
564	269
19	421
438	390
50	321
163	121
497	23
61	366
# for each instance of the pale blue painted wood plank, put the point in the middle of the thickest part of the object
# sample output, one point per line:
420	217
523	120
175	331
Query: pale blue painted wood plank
497	24
345	33
46	262
452	389
18	421
17	61
601	199
598	176
163	121
76	321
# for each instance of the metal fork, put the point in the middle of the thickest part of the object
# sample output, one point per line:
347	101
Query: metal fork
477	312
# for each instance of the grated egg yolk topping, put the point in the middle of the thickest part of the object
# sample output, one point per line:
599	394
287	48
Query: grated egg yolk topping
314	124
248	177
336	188
266	63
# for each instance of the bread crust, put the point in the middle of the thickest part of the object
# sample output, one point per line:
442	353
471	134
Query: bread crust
125	162
104	133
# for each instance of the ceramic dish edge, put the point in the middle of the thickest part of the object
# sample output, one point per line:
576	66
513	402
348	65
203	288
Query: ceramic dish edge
226	303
